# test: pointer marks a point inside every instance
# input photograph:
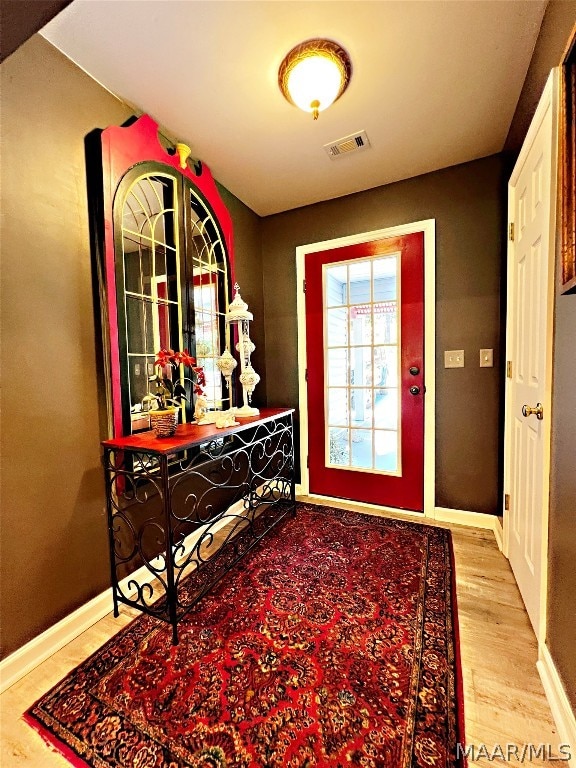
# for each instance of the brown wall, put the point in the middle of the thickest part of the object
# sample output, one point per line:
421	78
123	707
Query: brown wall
54	554
466	202
53	525
558	20
20	19
248	250
561	629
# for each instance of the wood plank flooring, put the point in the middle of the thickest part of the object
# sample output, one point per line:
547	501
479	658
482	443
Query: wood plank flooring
504	699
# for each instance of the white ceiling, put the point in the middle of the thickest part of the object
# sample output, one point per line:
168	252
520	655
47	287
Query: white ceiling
434	83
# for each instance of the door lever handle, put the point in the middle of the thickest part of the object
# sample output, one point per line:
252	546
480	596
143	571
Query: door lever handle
538	411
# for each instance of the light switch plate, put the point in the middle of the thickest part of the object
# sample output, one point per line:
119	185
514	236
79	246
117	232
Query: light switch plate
486	358
454	358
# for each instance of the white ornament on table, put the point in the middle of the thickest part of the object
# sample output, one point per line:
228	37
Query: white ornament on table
226	365
249	378
200	408
226	418
239	315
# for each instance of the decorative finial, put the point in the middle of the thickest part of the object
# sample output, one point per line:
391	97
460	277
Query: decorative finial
183	151
238	309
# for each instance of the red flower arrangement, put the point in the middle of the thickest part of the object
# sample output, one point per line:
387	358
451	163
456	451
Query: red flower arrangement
169	394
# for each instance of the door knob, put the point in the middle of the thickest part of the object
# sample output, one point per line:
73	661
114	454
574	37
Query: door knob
414	390
538	411
414	370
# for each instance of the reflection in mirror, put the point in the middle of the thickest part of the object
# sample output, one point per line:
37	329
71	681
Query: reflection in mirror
151	283
172	284
210	289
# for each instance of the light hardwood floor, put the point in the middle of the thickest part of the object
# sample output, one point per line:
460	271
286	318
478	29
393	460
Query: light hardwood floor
504	700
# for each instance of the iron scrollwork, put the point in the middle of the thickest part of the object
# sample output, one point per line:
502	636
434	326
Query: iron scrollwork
178	523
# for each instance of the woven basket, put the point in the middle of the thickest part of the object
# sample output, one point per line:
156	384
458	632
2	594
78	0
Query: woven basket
164	423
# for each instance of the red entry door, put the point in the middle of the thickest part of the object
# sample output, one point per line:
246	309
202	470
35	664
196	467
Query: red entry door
365	368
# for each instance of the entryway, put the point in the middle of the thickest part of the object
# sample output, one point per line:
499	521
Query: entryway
366	354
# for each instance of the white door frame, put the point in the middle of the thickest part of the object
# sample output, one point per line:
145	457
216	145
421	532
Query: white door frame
428	227
548	100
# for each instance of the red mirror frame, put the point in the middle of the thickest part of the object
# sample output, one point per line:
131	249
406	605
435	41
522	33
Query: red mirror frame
110	154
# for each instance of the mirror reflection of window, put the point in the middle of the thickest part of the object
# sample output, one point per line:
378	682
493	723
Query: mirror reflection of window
151	284
210	289
175	290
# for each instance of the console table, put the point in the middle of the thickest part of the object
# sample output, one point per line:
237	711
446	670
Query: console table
183	510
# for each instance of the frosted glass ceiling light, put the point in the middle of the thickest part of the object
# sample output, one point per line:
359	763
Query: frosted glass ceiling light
314	74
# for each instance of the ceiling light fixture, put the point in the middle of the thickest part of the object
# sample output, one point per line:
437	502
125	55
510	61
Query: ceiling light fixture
314	74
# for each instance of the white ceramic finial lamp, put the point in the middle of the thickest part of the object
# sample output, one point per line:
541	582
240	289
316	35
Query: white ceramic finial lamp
239	315
226	365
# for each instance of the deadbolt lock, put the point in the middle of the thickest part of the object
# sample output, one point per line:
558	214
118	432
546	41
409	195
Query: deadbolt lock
414	370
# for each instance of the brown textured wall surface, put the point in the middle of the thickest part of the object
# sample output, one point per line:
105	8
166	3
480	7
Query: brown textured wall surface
54	551
561	629
558	19
54	543
248	261
20	19
466	201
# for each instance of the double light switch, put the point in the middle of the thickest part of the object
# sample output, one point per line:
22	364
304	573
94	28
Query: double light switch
454	358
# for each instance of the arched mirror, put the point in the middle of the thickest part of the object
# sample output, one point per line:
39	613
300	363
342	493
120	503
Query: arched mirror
163	241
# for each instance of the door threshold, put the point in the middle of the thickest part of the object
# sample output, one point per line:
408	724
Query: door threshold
360	506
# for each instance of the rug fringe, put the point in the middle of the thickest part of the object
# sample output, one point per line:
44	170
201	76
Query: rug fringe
54	743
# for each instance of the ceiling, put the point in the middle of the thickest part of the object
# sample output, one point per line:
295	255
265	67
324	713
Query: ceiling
434	83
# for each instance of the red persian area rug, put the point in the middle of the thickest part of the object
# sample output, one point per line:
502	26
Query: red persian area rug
333	643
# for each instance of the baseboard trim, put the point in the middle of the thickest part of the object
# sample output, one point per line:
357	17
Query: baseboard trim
562	713
464	517
29	656
402	514
499	534
440	514
40	648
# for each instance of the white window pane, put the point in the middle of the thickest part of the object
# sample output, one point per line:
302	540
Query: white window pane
360	276
339	449
337	367
386	415
386	366
361	407
386	451
337	327
361	366
362	448
386	324
336	285
337	406
361	325
385	278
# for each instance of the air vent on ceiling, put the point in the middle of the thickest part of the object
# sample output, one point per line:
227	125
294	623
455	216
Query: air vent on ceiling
353	143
